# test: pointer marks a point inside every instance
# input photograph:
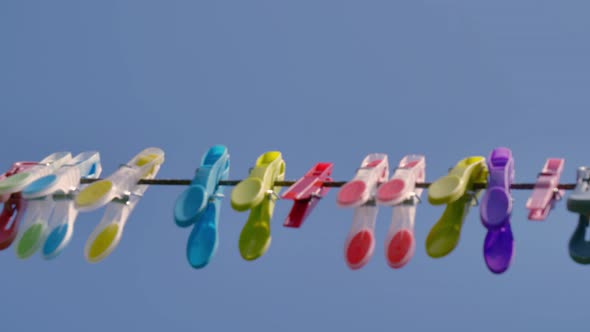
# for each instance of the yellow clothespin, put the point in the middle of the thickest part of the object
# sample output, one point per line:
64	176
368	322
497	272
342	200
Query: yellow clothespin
258	194
456	190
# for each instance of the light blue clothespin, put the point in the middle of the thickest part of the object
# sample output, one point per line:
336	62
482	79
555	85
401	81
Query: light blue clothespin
54	233
200	205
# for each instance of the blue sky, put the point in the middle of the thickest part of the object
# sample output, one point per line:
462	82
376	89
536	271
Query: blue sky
319	81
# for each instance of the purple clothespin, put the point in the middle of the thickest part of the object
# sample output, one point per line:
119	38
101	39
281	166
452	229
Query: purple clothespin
495	211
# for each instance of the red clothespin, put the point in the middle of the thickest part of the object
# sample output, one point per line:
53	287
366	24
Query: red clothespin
14	207
546	193
306	193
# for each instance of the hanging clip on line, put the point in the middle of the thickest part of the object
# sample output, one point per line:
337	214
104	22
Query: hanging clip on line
457	191
55	232
257	193
121	185
579	202
14	207
546	193
200	205
401	193
495	211
359	193
307	192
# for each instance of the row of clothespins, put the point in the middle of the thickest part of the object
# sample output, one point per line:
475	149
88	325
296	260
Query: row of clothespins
46	196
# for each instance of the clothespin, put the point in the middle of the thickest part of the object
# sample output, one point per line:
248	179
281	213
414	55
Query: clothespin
14	206
402	194
200	205
457	191
546	193
121	193
54	230
307	192
18	181
359	193
257	193
579	202
495	211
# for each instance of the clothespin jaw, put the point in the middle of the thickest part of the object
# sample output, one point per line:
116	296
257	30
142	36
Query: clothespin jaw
18	181
44	214
457	191
546	191
579	202
495	211
200	205
401	193
360	194
307	192
13	208
257	193
123	186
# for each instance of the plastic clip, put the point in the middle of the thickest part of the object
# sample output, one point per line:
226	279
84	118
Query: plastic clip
579	202
200	205
495	211
13	208
401	193
123	186
546	192
307	192
457	191
257	194
359	193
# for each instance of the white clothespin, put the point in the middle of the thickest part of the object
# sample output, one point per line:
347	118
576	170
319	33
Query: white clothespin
122	186
359	193
401	193
54	233
48	165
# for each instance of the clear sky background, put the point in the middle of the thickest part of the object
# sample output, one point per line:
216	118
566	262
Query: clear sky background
319	81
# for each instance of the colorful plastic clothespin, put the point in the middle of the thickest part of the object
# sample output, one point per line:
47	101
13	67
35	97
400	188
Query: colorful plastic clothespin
401	193
495	211
546	191
457	191
122	187
257	193
18	181
307	192
54	230
359	193
200	205
14	207
579	202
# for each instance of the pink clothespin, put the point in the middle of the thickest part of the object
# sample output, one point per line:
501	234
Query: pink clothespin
360	194
401	193
14	207
546	193
307	192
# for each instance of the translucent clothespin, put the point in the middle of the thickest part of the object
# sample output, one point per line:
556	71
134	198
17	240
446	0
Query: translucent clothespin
200	204
257	193
120	192
53	231
14	207
579	202
495	211
359	193
457	191
18	181
402	194
546	191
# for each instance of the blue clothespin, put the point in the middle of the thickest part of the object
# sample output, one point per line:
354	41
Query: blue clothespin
200	205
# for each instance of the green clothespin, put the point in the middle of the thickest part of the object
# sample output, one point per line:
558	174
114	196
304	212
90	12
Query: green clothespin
257	193
456	190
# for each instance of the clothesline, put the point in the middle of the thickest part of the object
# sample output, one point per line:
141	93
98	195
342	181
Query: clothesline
331	184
